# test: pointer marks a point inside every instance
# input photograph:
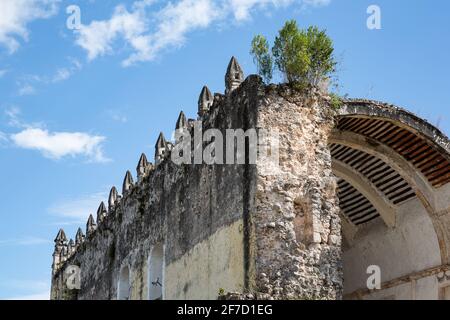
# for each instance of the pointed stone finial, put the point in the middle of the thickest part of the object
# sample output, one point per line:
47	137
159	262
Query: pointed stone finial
127	183
61	250
71	247
161	149
64	253
181	122
142	167
234	76
101	212
205	101
61	238
113	198
90	225
79	237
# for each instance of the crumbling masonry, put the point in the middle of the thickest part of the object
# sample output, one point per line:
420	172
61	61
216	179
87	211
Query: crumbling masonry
373	173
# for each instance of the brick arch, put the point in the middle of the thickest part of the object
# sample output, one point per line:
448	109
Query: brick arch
419	142
399	157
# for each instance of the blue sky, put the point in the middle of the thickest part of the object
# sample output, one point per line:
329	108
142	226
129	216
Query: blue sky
77	107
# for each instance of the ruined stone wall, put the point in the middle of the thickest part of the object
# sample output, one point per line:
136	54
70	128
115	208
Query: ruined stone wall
195	210
297	227
266	232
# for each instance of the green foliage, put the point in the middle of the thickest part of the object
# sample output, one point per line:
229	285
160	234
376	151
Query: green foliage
336	101
290	52
320	52
262	57
304	57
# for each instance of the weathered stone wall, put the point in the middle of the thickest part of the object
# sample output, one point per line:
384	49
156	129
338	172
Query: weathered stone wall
186	207
268	232
297	226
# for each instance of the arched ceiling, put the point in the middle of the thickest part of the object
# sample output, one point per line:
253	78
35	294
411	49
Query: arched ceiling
394	133
354	205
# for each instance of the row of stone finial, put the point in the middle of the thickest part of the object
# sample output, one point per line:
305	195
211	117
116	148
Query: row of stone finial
66	248
63	248
233	78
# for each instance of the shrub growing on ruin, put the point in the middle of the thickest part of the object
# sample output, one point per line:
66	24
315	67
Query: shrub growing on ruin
303	57
262	57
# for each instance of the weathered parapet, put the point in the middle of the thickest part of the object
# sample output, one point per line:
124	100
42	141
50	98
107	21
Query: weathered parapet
181	206
269	232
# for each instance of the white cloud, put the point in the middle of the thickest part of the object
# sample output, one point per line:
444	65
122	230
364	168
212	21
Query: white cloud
242	8
28	83
169	25
117	116
45	295
26	241
36	289
77	210
97	37
56	145
3	138
13	115
316	3
66	72
15	16
3	72
53	145
26	90
61	75
174	22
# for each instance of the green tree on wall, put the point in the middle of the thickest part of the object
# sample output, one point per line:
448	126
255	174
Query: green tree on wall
303	57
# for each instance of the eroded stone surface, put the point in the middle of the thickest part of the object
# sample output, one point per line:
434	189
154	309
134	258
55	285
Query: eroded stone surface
297	225
283	221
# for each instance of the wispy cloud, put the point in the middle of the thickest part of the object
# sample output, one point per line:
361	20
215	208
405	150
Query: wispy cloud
97	37
66	72
26	89
3	72
25	241
35	289
54	145
13	114
172	23
117	116
242	9
44	295
62	74
3	138
27	84
77	210
15	15
316	3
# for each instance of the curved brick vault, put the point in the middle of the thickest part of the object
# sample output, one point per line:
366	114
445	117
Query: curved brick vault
385	157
